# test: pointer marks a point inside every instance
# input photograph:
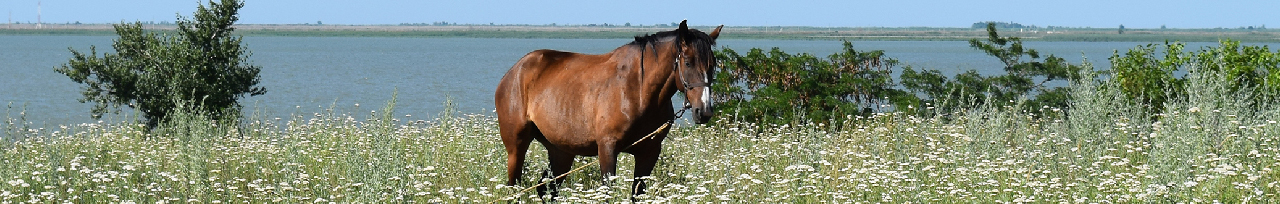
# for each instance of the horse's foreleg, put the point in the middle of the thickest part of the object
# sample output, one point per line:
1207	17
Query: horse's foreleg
645	163
608	159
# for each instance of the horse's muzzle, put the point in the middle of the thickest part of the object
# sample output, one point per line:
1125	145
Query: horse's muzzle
702	115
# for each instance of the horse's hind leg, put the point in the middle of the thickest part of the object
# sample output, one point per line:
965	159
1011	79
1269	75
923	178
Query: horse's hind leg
516	138
561	163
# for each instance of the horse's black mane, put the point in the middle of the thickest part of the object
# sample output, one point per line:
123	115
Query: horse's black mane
698	38
652	38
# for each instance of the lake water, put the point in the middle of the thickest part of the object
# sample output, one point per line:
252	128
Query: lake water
304	75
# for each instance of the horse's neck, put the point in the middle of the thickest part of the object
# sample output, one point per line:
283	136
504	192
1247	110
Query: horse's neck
657	73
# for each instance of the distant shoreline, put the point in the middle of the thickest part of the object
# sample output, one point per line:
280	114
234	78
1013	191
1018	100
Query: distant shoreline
734	32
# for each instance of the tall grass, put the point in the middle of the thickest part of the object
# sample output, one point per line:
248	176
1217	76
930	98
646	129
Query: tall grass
1214	146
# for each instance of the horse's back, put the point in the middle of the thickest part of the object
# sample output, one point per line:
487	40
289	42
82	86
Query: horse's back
540	60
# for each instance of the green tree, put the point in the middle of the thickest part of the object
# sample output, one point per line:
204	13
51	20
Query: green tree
945	95
1245	66
1149	79
777	87
1022	78
200	66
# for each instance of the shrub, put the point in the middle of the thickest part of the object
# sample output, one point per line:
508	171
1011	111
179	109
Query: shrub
778	87
1244	66
1147	79
1150	80
202	64
1023	78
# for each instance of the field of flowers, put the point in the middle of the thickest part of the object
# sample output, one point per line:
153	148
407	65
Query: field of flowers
1214	146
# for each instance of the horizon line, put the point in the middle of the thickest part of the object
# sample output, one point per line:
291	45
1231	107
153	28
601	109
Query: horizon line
1263	26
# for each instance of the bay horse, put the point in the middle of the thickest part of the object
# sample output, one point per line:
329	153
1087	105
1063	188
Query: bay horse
597	105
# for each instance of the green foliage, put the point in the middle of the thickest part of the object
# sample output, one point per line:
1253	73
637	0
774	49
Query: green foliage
1022	79
1149	79
778	87
1244	66
201	64
942	93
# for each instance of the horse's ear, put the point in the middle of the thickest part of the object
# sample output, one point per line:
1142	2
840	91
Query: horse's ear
715	33
684	28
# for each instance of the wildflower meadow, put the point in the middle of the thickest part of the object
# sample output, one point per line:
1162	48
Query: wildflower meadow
1217	145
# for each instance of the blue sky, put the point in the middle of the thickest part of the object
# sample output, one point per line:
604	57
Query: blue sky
901	13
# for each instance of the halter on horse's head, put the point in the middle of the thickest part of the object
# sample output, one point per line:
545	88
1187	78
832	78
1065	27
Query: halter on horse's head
695	65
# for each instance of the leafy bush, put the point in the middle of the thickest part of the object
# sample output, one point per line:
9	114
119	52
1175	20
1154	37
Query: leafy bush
778	87
1022	79
201	64
1244	66
1150	80
1147	79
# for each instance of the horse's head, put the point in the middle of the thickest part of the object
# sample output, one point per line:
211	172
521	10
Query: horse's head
696	67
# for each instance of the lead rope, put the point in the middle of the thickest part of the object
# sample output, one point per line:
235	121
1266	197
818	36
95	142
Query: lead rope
665	126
